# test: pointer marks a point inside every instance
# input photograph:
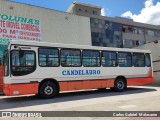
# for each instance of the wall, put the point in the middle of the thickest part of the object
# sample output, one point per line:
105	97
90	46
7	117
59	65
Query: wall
83	11
57	27
155	50
130	36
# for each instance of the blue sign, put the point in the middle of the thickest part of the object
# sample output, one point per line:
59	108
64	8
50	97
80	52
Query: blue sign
81	72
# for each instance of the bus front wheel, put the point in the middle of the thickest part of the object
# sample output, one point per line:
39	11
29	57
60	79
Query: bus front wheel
120	84
48	90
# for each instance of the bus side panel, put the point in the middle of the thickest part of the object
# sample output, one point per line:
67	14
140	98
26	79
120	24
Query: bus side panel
98	84
139	81
63	86
20	89
86	84
77	85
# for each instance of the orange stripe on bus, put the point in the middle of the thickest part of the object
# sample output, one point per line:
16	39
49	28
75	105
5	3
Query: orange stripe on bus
23	89
85	84
32	88
139	81
94	84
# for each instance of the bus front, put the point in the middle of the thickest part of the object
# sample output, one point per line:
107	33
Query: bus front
19	64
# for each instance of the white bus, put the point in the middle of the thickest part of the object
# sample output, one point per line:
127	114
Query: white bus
48	68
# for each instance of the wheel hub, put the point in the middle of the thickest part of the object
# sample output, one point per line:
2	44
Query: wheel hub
120	85
48	90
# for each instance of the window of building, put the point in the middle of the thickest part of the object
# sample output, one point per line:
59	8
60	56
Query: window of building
138	59
106	33
48	57
94	12
100	21
150	32
92	20
135	30
117	35
124	42
70	58
140	31
148	60
106	26
95	44
22	62
141	42
109	59
125	28
124	59
137	42
157	33
91	58
131	43
130	29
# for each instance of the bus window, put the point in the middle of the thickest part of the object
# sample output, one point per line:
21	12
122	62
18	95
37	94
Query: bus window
148	60
91	58
124	59
70	58
48	57
109	59
22	62
138	59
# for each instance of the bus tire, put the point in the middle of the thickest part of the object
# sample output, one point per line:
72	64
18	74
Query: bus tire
120	84
48	90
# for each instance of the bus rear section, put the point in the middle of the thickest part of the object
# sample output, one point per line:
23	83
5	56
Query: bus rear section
46	69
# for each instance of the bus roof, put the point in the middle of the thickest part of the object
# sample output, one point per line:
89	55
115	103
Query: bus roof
60	45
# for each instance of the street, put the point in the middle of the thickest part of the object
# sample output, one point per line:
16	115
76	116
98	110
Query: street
137	98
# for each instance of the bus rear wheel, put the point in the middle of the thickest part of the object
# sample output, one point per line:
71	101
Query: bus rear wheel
48	90
120	85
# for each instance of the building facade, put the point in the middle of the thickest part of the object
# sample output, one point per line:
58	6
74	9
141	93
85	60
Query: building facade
81	24
115	31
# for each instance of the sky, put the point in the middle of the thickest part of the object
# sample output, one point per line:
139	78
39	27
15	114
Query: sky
145	11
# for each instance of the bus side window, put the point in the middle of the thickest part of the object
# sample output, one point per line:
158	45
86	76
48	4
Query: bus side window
91	58
138	59
48	57
109	59
124	59
70	58
148	60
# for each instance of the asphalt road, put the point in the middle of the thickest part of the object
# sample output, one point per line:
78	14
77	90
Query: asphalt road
140	98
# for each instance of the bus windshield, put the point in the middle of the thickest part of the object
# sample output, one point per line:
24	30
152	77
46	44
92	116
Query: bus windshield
6	63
